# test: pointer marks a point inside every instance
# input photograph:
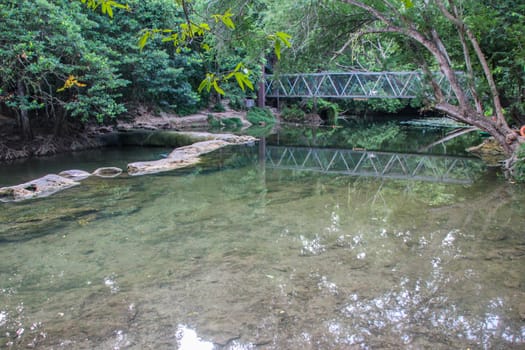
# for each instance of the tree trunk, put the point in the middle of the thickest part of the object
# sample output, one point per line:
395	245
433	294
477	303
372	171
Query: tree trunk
23	117
467	110
60	127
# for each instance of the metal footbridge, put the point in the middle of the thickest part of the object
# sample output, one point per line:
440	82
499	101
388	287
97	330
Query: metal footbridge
356	85
423	167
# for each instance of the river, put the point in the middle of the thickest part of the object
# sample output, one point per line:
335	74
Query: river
240	254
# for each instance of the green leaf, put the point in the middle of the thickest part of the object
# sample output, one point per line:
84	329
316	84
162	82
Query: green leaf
239	78
205	84
408	4
226	19
248	83
110	11
144	39
242	80
277	49
285	38
217	87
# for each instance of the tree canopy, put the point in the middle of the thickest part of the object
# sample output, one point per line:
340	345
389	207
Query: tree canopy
60	60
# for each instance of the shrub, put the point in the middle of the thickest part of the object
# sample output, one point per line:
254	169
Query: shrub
218	108
229	123
292	113
258	116
518	170
232	123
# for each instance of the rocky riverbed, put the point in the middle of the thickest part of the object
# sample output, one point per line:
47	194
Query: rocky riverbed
179	158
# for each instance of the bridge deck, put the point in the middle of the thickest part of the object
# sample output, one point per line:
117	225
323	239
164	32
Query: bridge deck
422	167
363	85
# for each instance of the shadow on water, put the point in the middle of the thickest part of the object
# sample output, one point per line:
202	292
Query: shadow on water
232	254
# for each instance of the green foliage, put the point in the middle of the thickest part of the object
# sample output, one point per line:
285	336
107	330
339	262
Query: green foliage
106	6
241	74
161	75
259	130
375	136
359	107
327	110
45	46
227	123
500	27
280	39
519	167
239	44
213	122
237	102
292	114
260	116
232	123
59	61
218	107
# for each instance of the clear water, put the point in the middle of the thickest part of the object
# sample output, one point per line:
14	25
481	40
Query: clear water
236	256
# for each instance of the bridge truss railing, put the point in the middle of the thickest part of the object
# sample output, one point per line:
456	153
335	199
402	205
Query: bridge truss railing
362	85
434	168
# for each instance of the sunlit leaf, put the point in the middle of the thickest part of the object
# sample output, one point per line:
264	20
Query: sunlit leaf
285	38
408	4
239	78
144	39
70	82
277	49
110	11
205	84
217	87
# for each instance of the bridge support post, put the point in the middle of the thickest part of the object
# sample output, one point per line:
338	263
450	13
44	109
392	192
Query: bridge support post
261	93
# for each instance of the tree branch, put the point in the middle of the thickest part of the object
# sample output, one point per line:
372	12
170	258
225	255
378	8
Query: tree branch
479	53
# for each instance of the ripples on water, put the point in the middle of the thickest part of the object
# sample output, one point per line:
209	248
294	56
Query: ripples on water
247	258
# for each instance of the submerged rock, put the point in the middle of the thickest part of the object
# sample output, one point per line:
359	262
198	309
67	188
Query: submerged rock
108	172
75	174
179	158
41	187
521	310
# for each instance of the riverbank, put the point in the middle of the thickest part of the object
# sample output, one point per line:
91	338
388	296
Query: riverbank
12	146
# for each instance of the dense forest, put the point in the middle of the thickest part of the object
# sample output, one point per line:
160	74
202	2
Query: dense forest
65	64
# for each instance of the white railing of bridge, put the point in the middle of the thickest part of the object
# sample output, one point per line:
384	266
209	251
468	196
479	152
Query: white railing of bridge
422	167
360	85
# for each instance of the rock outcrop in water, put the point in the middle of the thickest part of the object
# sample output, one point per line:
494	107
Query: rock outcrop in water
188	155
179	158
75	174
41	187
108	172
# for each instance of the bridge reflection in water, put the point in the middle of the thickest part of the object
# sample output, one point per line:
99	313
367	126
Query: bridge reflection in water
423	167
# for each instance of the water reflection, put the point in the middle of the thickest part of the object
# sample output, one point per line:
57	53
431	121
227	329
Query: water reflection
187	339
273	259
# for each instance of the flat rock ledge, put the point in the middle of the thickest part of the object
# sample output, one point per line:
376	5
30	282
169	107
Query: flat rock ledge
41	187
188	155
179	158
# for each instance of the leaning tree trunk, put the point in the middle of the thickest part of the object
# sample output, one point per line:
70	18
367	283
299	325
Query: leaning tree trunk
23	116
466	109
